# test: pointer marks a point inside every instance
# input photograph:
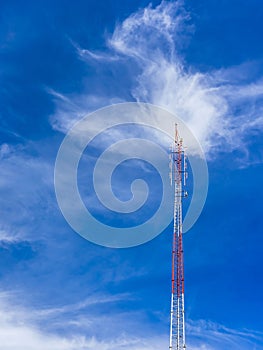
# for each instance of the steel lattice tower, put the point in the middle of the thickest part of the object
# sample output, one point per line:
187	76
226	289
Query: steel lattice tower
178	176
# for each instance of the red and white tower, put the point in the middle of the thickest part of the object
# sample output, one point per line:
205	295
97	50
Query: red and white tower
178	177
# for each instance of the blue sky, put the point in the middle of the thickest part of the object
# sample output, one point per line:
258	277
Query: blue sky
59	61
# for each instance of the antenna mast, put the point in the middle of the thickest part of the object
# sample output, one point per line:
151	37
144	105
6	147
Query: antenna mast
178	178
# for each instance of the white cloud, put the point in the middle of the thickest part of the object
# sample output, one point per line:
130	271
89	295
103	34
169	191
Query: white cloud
82	305
151	32
8	238
210	335
70	109
205	101
20	329
221	107
26	183
87	55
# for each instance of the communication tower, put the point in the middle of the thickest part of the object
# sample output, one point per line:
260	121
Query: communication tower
178	175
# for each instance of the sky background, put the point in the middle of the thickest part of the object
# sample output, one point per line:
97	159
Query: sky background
60	60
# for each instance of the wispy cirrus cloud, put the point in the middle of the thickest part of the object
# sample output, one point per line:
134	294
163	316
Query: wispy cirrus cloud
88	55
210	335
22	191
70	109
203	100
9	237
151	40
21	328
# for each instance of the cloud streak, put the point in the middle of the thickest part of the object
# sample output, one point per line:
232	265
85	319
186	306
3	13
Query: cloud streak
214	336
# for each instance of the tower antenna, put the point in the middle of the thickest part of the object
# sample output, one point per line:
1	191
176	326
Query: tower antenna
178	177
